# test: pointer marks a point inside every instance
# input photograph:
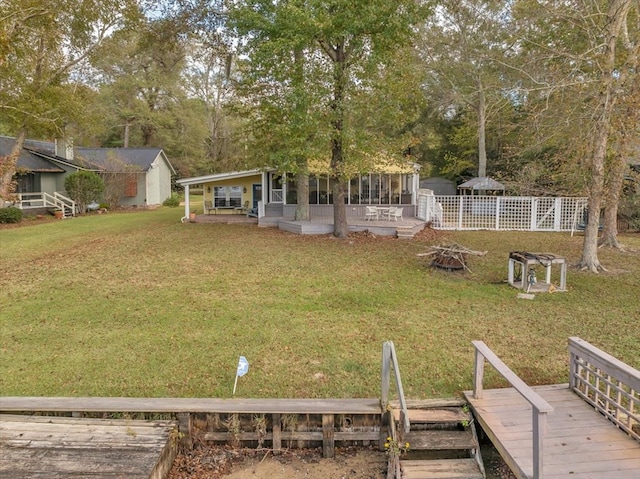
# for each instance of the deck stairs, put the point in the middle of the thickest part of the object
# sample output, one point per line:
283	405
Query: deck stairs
443	443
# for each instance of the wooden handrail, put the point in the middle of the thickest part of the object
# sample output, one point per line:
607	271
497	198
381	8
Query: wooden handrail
606	383
389	357
539	407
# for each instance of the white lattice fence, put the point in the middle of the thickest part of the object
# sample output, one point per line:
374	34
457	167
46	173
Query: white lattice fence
501	212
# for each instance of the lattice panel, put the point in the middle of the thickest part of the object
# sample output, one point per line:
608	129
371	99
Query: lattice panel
619	402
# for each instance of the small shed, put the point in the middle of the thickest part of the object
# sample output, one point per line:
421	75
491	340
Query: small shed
483	185
439	185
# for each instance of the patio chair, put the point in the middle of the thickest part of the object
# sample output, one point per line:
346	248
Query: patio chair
208	207
395	213
370	213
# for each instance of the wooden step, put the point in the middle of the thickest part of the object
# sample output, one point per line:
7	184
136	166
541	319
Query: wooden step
441	469
435	415
438	440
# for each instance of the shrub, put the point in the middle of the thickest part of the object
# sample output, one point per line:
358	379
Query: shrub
10	215
84	187
173	201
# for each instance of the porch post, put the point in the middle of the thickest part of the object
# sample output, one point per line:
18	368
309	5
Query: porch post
186	201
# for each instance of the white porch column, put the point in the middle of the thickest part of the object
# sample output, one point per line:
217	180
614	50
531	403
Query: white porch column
186	201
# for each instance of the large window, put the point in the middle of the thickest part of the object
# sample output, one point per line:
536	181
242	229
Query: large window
227	196
371	189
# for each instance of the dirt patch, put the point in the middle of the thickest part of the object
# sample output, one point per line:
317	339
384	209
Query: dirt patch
214	462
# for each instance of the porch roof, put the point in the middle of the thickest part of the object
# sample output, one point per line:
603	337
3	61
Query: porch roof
196	180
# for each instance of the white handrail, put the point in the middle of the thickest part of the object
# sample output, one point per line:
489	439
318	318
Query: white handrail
539	406
389	357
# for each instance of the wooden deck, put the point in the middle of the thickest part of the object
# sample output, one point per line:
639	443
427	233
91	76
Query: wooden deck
579	443
65	448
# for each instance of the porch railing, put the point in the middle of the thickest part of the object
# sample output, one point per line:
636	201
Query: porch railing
539	407
522	213
389	359
609	385
46	200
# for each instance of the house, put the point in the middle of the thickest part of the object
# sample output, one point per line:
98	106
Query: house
42	167
272	195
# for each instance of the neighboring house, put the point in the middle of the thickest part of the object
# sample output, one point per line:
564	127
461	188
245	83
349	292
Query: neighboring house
270	194
43	166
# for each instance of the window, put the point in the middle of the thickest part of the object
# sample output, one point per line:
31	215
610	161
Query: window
131	187
227	196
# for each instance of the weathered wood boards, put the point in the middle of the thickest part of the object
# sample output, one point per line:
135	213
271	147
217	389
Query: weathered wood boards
63	447
579	442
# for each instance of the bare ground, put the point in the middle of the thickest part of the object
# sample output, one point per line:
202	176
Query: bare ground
215	462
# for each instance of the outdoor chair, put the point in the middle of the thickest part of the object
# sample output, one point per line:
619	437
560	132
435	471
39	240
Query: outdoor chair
208	207
395	213
370	213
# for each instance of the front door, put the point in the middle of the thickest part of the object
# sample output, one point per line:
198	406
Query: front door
257	195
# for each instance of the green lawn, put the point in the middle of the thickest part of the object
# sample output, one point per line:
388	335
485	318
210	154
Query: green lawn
139	304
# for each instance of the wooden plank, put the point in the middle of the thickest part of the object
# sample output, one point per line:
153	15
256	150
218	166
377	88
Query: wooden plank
328	444
277	432
441	469
193	405
62	448
434	415
438	440
580	443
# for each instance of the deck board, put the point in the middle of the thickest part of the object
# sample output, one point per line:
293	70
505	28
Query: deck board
579	443
65	448
192	405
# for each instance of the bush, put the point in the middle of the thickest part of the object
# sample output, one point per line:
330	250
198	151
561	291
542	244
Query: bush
10	215
173	201
84	187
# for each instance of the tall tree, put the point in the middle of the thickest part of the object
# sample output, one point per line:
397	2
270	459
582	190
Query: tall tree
460	45
346	42
42	43
574	47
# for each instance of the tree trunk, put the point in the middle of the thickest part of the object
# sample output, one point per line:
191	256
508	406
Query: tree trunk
609	236
482	121
302	197
8	168
340	227
617	15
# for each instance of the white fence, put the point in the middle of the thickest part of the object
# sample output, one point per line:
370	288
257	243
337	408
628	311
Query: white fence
523	213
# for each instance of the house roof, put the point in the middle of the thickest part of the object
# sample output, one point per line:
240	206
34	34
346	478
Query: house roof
105	158
483	183
40	156
196	180
28	158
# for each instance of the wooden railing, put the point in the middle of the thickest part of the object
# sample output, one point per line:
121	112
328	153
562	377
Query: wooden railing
540	408
389	358
609	385
45	200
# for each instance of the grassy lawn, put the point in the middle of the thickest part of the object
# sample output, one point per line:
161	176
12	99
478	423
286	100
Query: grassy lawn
139	304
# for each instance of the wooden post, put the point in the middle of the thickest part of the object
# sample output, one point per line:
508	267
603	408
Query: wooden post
539	422
277	432
386	374
185	424
328	443
478	374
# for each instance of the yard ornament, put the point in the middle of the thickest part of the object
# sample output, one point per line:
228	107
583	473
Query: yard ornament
242	369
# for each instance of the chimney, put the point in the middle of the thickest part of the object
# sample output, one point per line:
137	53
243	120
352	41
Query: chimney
64	148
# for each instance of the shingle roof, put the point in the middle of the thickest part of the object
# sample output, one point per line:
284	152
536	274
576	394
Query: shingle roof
482	183
29	160
106	157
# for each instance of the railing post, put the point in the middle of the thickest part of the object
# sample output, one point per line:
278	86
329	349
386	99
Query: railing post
478	374
539	423
386	373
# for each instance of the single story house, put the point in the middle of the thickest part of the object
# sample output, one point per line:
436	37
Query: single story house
42	167
268	193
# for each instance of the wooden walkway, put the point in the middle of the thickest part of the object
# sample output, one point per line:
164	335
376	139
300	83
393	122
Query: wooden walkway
579	442
65	447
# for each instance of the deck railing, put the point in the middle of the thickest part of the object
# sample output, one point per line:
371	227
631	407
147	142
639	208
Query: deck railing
609	385
389	358
539	406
